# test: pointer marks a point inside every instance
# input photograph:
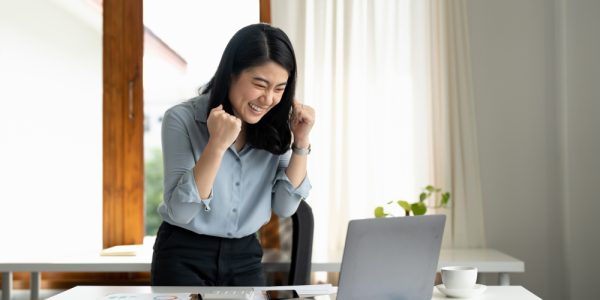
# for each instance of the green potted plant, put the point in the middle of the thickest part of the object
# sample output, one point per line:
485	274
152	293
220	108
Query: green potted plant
419	207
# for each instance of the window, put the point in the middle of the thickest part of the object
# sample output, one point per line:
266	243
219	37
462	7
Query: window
183	43
123	163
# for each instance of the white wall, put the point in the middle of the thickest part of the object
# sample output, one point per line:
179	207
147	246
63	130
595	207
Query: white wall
535	102
50	130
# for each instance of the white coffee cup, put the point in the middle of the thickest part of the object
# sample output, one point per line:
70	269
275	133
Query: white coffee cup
459	277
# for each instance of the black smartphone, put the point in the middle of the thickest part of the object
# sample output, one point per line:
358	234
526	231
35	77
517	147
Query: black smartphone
281	294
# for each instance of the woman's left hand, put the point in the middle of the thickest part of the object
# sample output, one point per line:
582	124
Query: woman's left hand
302	121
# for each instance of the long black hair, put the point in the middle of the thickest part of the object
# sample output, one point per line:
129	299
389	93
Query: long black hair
252	46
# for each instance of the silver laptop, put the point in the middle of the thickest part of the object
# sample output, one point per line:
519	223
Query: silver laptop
391	258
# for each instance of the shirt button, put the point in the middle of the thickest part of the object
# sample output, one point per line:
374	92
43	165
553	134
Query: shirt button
237	183
229	234
237	159
234	210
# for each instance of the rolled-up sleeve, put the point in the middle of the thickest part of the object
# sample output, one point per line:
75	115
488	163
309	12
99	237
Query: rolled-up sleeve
286	198
181	196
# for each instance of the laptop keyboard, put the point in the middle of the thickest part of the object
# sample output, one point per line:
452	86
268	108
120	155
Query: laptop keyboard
245	294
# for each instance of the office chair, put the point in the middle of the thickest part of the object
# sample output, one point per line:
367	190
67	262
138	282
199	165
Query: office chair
302	241
293	238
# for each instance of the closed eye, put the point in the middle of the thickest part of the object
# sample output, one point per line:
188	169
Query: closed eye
260	86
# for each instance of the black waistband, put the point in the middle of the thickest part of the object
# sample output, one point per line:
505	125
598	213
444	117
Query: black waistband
171	227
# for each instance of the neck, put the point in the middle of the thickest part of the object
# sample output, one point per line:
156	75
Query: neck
241	139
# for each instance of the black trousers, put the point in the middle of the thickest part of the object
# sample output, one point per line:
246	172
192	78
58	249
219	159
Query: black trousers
185	258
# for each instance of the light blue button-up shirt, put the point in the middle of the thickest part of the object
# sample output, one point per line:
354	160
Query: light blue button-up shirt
248	186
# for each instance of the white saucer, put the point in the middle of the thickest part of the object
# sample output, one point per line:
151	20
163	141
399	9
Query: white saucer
478	289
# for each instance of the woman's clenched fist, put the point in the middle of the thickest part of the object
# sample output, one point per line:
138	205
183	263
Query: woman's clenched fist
223	127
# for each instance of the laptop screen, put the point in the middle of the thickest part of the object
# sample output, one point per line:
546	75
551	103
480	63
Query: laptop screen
391	258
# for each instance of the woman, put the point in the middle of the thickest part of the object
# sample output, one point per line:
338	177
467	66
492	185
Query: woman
228	165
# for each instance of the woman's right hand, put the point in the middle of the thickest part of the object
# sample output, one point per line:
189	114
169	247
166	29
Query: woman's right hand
223	127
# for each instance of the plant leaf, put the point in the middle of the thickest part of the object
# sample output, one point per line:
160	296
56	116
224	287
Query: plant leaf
404	204
445	198
422	197
430	188
379	213
418	208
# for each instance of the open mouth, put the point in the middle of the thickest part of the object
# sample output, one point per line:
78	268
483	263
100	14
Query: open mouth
256	108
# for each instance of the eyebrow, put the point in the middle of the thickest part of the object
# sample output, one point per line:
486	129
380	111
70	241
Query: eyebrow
266	81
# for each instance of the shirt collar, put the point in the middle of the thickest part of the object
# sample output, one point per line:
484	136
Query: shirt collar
201	105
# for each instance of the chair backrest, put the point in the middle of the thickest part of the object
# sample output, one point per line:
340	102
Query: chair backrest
302	242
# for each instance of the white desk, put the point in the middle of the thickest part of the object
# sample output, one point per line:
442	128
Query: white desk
98	292
486	260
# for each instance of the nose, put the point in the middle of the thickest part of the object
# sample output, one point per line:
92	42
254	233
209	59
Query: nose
268	97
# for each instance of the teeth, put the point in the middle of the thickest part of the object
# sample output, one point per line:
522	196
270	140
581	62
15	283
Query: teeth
255	108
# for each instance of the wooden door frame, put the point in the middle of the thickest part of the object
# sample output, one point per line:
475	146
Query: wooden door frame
123	120
265	11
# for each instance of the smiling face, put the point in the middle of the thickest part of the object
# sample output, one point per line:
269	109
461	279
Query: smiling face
256	90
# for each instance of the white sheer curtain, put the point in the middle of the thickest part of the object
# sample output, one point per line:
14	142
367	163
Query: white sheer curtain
371	138
366	68
455	153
